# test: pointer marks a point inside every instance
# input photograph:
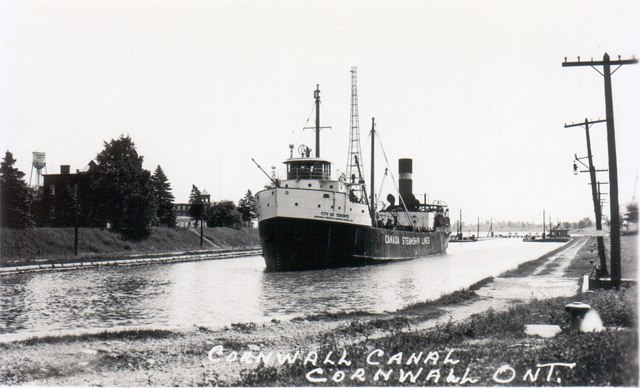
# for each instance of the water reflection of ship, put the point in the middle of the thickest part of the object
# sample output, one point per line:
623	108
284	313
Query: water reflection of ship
310	220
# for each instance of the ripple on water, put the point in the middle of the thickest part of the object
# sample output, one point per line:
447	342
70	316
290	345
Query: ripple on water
217	293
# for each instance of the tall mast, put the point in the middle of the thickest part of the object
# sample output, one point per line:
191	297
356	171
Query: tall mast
373	199
354	132
316	95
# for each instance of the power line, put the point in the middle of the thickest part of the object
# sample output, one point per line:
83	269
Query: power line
606	72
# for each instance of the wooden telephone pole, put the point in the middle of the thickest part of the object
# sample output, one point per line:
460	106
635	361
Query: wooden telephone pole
597	207
616	272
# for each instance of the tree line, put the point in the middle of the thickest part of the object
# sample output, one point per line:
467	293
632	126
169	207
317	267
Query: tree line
224	213
116	190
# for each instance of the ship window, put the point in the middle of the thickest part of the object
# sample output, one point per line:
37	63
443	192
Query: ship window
267	205
331	207
331	186
350	209
309	185
287	185
286	193
296	203
363	211
325	195
318	205
339	207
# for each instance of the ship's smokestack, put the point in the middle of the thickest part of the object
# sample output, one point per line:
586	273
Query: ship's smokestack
405	169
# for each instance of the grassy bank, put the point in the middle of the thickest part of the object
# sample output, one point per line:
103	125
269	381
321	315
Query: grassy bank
25	245
482	345
628	257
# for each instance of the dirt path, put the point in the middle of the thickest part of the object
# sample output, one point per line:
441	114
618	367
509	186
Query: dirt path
546	281
182	358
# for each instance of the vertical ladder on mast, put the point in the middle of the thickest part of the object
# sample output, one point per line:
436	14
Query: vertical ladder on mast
354	160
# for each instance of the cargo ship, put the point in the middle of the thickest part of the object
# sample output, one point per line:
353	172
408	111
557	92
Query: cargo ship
310	220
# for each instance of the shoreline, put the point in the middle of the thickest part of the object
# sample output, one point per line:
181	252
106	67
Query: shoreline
483	325
46	265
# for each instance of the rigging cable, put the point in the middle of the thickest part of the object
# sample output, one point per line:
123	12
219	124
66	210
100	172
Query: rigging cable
386	171
404	206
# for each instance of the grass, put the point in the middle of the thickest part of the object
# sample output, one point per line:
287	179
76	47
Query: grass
326	315
489	340
527	268
581	265
27	246
128	334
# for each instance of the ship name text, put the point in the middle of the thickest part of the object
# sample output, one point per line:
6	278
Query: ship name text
406	240
334	216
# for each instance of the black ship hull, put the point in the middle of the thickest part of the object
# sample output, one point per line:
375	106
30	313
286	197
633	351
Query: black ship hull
290	244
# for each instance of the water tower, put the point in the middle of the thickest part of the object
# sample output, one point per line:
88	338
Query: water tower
39	163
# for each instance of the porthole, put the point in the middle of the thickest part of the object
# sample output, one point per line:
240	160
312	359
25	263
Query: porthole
296	203
267	205
339	207
287	185
331	207
286	193
331	186
318	205
325	195
350	209
363	211
309	185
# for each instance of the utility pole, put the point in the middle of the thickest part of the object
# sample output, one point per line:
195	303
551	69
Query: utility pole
616	272
594	193
202	228
77	222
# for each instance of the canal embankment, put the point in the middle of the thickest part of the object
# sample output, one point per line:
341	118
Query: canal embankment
475	336
40	249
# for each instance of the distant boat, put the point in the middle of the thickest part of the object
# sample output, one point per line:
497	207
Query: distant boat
556	234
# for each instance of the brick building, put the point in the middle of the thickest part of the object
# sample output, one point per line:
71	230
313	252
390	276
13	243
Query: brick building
64	192
181	210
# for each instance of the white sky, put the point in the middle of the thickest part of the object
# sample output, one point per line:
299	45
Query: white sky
473	91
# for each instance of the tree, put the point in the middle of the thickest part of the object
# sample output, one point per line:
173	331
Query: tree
66	207
15	196
585	223
164	199
247	208
123	189
632	213
196	207
223	213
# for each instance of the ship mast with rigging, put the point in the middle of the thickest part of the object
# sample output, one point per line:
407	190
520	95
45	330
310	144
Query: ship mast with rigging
354	159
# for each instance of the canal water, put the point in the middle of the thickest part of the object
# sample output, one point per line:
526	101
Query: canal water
218	293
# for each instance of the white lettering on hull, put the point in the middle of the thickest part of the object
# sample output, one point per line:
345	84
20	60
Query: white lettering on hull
406	240
334	216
